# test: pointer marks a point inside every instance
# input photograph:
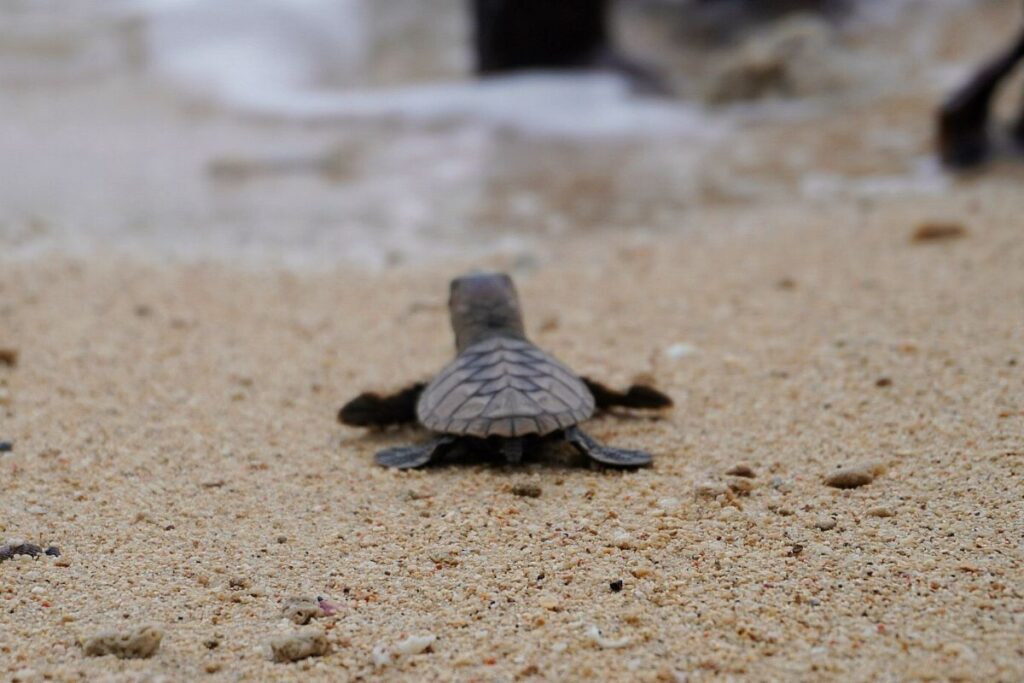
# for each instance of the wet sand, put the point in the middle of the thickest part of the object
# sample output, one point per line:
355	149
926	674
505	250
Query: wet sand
174	434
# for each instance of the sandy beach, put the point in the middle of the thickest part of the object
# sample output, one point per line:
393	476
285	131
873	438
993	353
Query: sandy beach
174	433
811	292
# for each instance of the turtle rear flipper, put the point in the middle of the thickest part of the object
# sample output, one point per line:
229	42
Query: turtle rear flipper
409	457
606	455
372	410
638	396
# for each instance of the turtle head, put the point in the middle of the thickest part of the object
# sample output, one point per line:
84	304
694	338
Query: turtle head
482	306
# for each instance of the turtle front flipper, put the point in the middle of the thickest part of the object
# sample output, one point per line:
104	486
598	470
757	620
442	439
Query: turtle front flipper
606	455
638	396
372	410
408	457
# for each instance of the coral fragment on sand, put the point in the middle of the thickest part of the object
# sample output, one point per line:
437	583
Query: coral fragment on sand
138	643
292	647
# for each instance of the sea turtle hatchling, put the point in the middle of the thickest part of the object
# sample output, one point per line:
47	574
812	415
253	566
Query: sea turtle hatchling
501	393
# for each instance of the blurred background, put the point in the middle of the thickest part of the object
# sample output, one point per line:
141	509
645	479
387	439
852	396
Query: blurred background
318	132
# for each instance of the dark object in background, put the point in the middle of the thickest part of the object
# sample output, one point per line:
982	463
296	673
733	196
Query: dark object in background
520	35
718	22
747	10
937	231
6	446
963	122
513	35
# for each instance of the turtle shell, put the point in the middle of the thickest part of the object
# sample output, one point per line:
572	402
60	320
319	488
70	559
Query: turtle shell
504	387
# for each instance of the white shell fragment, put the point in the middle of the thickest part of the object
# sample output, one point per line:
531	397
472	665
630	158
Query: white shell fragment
595	636
414	645
680	350
383	654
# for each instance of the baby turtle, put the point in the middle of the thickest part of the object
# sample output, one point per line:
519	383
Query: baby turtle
501	392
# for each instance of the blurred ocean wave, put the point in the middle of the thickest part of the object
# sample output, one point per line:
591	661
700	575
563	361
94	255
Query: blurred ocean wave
318	131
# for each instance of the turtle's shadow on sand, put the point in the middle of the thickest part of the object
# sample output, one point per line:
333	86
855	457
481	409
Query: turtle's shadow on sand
554	455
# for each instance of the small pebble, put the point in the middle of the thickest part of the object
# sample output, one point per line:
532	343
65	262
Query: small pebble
442	557
709	489
615	585
825	524
414	645
52	551
883	382
741	469
301	610
526	490
300	645
881	511
14	548
381	655
9	357
741	485
668	503
852	477
138	643
6	446
623	540
328	607
680	350
935	231
282	539
786	283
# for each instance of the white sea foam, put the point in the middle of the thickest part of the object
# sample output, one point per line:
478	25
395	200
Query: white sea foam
245	48
105	165
301	60
556	104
